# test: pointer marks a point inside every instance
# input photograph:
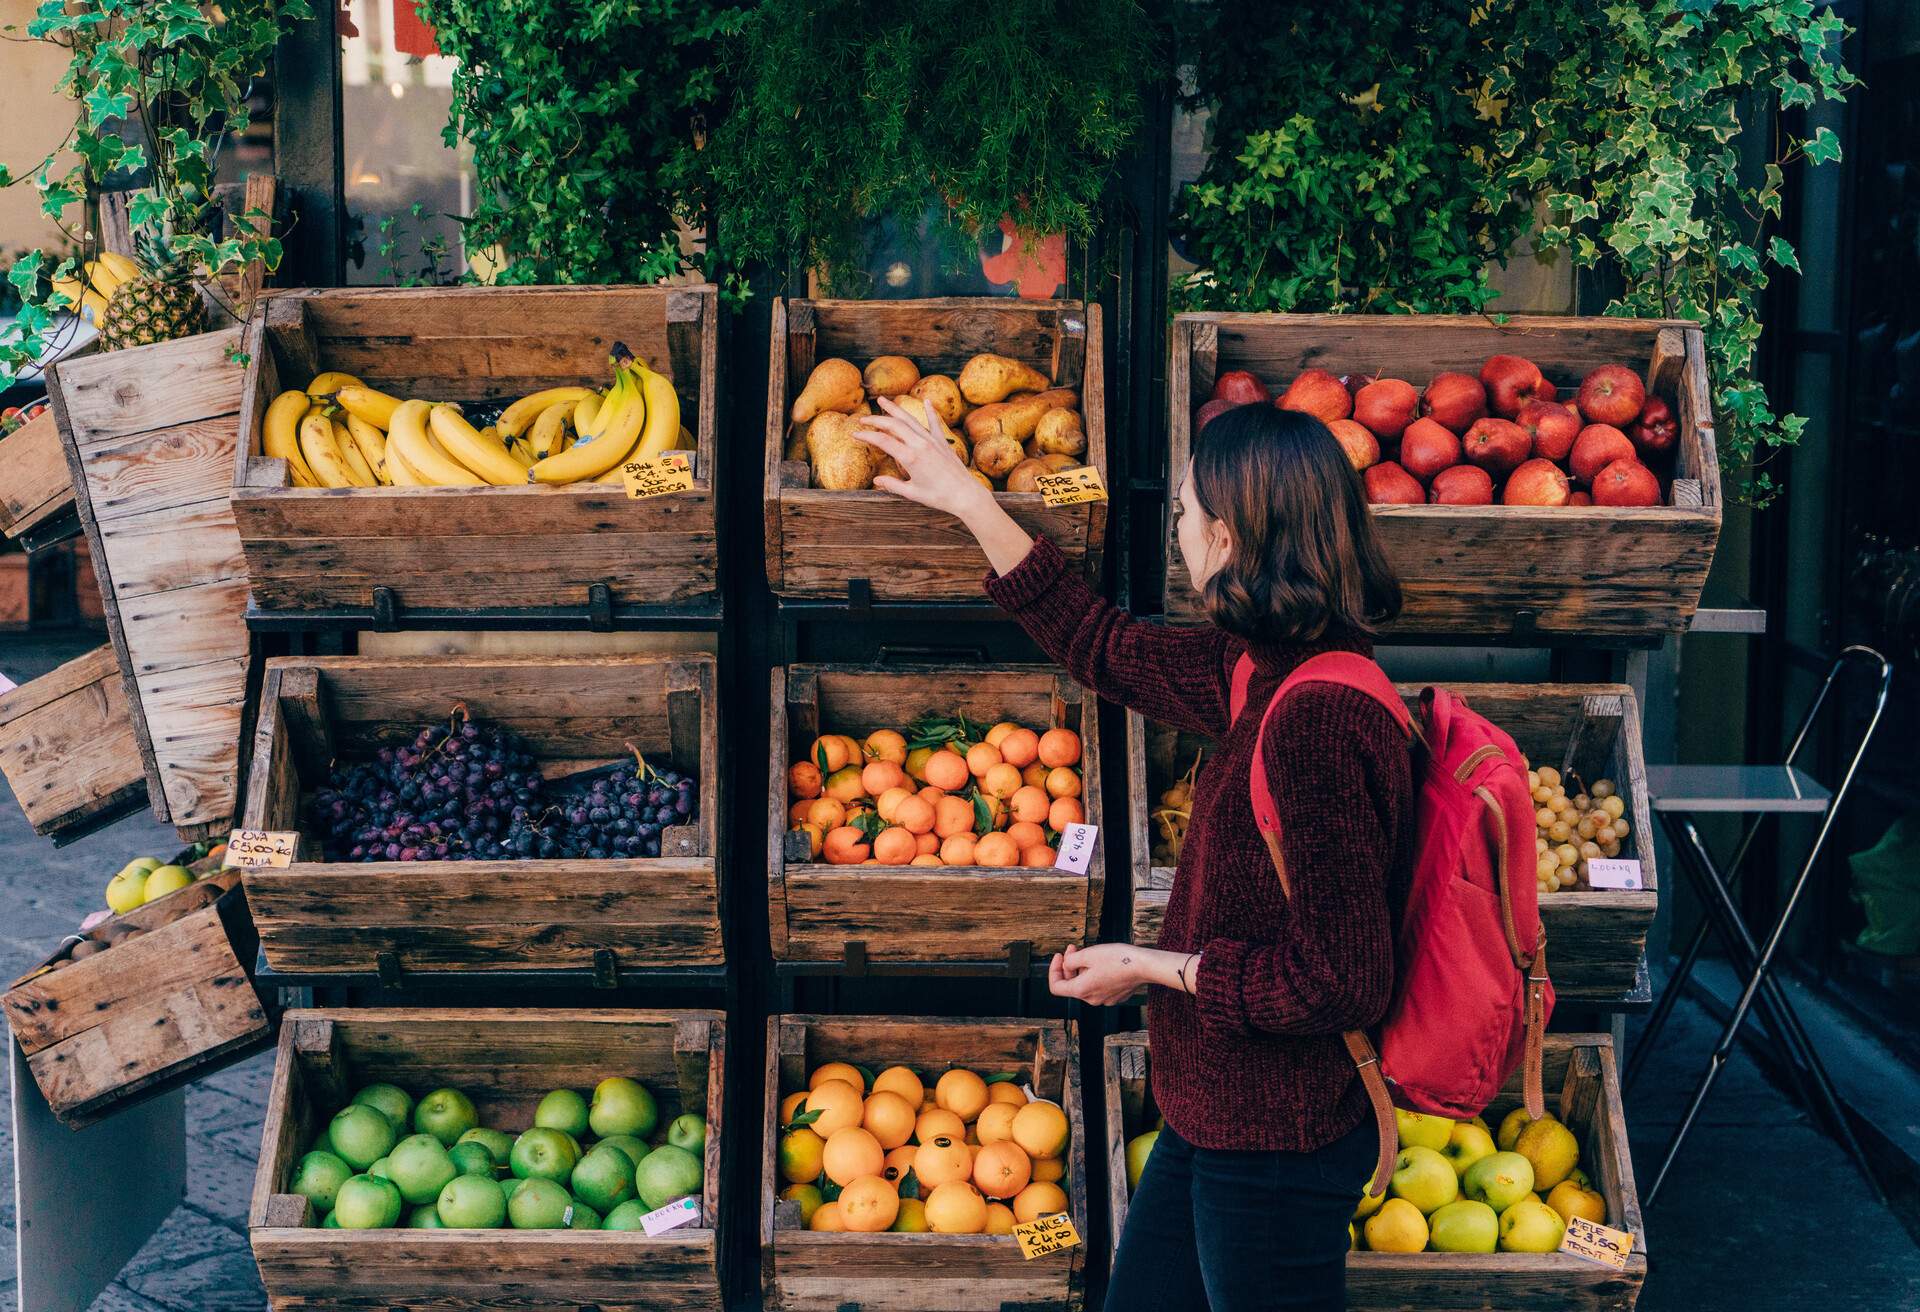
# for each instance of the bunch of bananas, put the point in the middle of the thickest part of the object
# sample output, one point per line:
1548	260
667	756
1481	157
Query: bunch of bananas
338	432
95	284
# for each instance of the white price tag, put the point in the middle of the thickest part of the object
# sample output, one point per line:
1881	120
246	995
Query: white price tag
679	1212
1076	848
261	849
1613	872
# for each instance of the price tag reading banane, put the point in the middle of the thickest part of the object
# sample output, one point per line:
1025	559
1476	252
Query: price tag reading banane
1596	1242
671	471
1049	1234
258	849
1070	487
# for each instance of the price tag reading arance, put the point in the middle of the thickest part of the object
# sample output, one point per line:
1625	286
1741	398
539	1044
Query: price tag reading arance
259	849
1049	1234
671	471
1596	1242
1070	487
1076	848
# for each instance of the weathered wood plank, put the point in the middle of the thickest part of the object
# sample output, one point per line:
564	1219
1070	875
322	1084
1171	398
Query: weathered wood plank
34	482
66	743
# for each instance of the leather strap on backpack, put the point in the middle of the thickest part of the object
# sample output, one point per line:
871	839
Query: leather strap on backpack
1367	1062
1531	1075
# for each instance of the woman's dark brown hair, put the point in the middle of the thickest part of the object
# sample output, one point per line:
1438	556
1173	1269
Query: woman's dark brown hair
1304	560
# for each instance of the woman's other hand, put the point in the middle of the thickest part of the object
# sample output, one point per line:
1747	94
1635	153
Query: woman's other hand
1105	974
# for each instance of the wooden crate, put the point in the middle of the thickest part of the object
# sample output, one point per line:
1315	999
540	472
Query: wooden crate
822	912
67	744
1596	938
34	482
149	434
820	541
1583	1090
808	1271
505	1061
148	1014
1494	570
437	549
395	916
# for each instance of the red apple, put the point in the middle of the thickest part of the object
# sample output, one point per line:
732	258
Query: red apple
1240	387
1580	499
1454	401
1598	446
1512	381
1551	425
1361	446
1626	483
1354	382
1390	485
1656	431
1318	393
1497	445
1611	394
1212	410
1537	483
1387	407
1462	485
1426	448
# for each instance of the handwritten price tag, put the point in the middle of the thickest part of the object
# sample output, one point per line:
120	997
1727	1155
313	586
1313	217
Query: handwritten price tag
1613	872
671	471
1076	848
258	849
1070	487
1049	1234
679	1212
1596	1242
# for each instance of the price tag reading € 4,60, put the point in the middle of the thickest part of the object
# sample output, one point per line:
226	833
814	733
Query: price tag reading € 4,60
1596	1242
1048	1234
256	849
671	471
1070	487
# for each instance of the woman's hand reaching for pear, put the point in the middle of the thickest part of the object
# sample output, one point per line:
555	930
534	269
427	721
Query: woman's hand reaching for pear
937	478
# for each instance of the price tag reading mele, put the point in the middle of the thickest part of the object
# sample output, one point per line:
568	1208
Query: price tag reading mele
1613	872
1048	1234
257	849
671	471
1596	1242
1070	487
1076	848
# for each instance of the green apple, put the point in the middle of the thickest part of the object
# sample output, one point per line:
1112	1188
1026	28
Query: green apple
126	890
146	863
581	1216
425	1217
396	1102
668	1173
538	1204
470	1158
163	880
603	1179
563	1109
626	1143
469	1202
630	1215
1419	1130
332	1222
379	1169
360	1135
318	1178
1464	1226
368	1203
446	1114
1424	1178
1510	1126
420	1166
1530	1226
1499	1181
543	1153
622	1106
1139	1148
497	1142
688	1131
1466	1145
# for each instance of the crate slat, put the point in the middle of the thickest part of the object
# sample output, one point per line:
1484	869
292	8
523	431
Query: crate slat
34	482
67	744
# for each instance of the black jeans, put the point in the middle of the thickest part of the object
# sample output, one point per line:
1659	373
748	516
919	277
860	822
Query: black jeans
1240	1231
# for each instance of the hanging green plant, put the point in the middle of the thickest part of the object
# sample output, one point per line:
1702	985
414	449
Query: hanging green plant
851	111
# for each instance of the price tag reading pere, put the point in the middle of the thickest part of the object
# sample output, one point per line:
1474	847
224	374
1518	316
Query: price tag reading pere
259	849
1048	1234
671	471
1596	1242
679	1212
1070	487
1613	872
1076	848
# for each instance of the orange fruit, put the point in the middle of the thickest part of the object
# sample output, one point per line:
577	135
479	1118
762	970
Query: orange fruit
790	1106
797	813
1063	782
826	1217
845	846
982	757
836	752
894	846
999	1219
1001	781
957	850
936	1122
927	844
912	1218
916	764
1050	1170
886	745
927	862
1039	857
1035	776
900	1080
844	784
961	1092
1041	1129
899	1162
816	838
948	771
995	1122
952	815
885	803
997	734
1021	748
850	1154
1059	747
915	815
839	1104
1001	1170
1038	1200
844	1071
994	850
955	1208
826	813
878	776
1029	804
803	779
941	1160
1065	811
931	794
1007	1091
1026	833
889	1118
807	1196
868	1205
800	1156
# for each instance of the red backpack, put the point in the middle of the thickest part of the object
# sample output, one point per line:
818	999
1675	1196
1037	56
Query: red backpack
1470	996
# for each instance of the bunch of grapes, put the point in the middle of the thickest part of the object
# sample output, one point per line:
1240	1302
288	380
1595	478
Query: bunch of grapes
618	813
1571	831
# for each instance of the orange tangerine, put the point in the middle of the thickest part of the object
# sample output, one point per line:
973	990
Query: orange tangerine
816	838
850	1154
800	1156
948	771
961	1092
957	850
869	1205
982	757
1039	857
839	1104
940	1160
1002	780
826	813
807	1196
900	1080
999	1219
790	1106
1050	1170
899	1162
878	776
1059	747
995	1122
844	1071
1021	748
826	1217
1007	1091
1001	1170
1063	782
1035	776
928	861
997	734
803	779
845	846
1026	833
916	815
927	844
937	1122
993	850
844	785
955	1208
889	1118
797	813
1066	811
886	745
1041	1129
1029	804
953	815
916	764
932	794
885	803
912	1218
833	750
1038	1200
894	846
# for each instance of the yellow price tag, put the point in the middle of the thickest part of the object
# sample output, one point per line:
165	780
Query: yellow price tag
671	471
258	849
1070	487
1049	1234
1596	1242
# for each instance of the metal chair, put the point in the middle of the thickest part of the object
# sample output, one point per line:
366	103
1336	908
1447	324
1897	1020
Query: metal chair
1678	792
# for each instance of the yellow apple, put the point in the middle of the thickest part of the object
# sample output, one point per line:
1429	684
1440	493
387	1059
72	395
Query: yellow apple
1499	1181
1464	1226
1424	1178
1510	1126
1397	1228
1552	1149
1530	1226
1466	1145
1570	1200
1369	1202
1418	1130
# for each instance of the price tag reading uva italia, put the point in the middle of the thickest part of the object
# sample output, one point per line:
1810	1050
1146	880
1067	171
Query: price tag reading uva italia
1070	487
1048	1234
1076	848
1613	872
679	1212
260	849
1596	1242
671	471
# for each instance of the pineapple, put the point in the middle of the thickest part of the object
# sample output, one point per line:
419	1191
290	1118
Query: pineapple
159	303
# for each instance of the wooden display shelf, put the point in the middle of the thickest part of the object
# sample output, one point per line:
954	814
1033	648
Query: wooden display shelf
67	745
35	485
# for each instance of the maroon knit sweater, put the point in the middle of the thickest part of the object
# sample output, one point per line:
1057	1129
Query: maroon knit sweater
1253	1059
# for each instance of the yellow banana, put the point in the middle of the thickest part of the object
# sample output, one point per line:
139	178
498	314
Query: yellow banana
357	467
330	382
662	429
587	413
548	436
117	267
518	450
615	444
686	442
515	419
483	455
280	435
101	278
398	472
409	440
93	307
322	453
374	406
372	444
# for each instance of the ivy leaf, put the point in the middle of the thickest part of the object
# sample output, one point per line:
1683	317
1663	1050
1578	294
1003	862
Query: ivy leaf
1781	252
148	209
1824	147
104	105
